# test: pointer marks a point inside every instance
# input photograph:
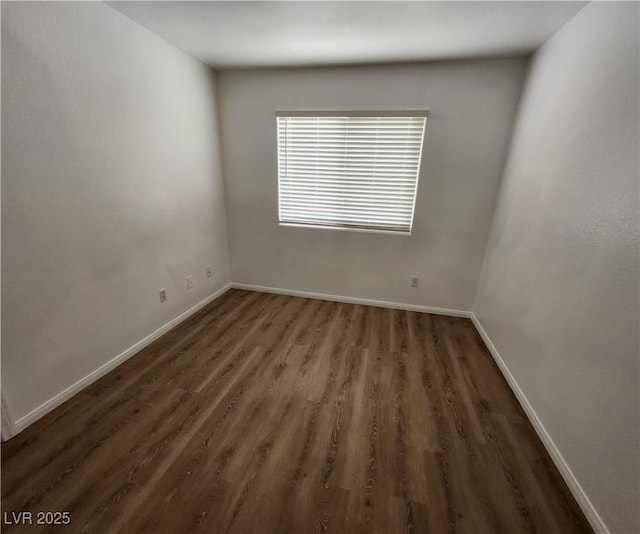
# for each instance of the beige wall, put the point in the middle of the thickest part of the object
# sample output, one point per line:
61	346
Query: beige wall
111	190
472	107
559	289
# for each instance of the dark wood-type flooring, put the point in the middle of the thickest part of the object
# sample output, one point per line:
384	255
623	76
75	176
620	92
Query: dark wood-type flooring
272	414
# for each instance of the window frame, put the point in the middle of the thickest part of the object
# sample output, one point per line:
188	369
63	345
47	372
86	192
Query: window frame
352	113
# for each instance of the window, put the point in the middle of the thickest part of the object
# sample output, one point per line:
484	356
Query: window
355	170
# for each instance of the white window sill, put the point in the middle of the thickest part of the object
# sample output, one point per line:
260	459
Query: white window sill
346	229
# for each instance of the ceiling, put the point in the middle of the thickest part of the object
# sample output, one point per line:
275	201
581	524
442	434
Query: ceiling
279	34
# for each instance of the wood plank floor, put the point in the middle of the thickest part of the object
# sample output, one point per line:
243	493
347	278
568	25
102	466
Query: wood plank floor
272	414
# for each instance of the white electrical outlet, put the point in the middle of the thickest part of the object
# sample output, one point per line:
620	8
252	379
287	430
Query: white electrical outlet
190	281
415	281
163	295
209	271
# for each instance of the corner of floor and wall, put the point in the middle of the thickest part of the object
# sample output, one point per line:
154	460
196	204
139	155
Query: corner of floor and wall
541	251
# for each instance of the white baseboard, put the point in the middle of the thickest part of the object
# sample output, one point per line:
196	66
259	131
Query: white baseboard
8	427
45	408
579	494
354	300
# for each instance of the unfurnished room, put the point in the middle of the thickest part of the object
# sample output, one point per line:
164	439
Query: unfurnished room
301	267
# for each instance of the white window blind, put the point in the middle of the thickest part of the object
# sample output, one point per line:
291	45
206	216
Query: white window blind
349	170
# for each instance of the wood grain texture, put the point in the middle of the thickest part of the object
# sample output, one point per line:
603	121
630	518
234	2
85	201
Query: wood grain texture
266	413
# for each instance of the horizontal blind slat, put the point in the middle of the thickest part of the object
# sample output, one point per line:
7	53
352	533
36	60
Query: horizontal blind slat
356	218
381	194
